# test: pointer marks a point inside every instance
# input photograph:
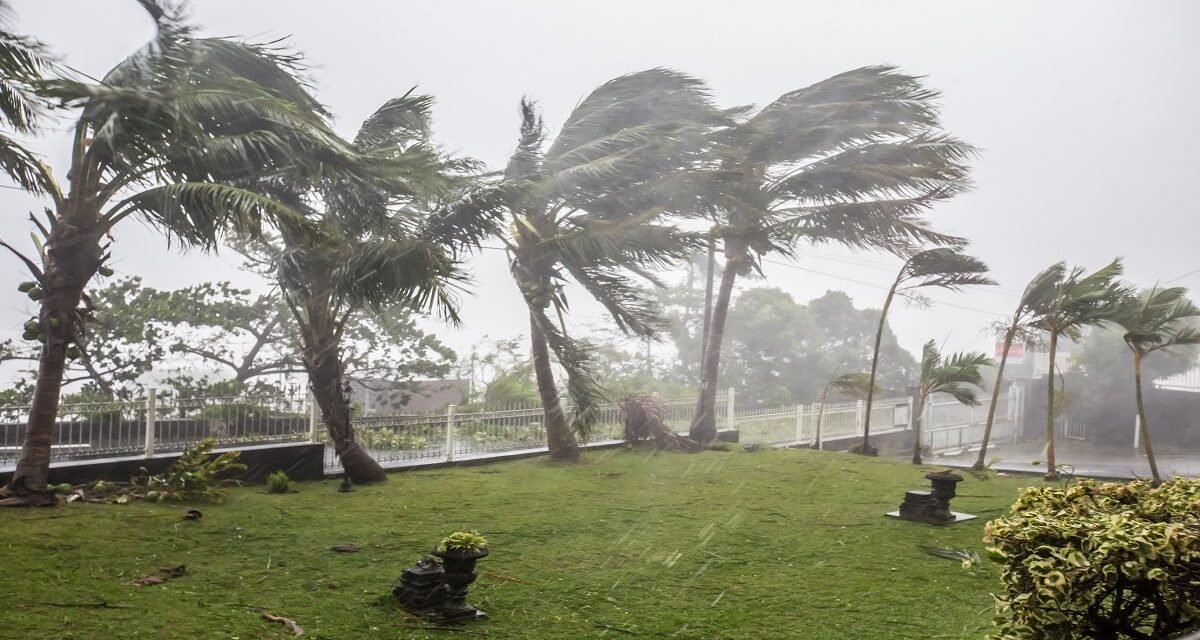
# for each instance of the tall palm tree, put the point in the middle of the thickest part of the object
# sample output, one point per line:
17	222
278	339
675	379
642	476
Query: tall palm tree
159	138
958	376
589	206
943	268
1033	302
1077	300
23	63
1155	320
376	244
854	385
855	159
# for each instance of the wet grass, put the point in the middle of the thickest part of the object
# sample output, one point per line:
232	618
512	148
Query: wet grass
628	544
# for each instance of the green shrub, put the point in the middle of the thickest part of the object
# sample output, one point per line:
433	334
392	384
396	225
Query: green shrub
279	482
384	439
1099	561
463	541
194	476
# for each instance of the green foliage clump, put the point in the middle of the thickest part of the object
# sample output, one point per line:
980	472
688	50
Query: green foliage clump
194	476
384	439
1099	561
462	541
279	482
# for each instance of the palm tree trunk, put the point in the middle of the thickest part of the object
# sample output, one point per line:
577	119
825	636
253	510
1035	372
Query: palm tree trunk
322	359
918	411
1142	424
710	272
73	255
704	420
980	462
1051	463
560	440
865	448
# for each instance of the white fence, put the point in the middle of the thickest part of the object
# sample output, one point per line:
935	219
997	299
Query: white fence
165	424
159	424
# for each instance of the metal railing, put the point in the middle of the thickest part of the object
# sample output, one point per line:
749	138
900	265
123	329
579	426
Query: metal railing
159	424
163	424
454	434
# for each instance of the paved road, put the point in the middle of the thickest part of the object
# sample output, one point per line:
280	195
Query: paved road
1080	460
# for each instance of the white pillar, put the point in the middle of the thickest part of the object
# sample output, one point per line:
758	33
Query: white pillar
450	433
860	412
151	419
314	419
1137	431
729	408
799	422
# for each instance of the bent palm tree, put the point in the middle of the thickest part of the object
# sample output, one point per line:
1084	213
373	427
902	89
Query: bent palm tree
589	207
374	246
1033	302
1155	320
943	268
856	385
957	376
157	138
1076	300
855	159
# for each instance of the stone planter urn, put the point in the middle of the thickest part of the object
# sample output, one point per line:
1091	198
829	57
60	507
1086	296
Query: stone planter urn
459	568
944	484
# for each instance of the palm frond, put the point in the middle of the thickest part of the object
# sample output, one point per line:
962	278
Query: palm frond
409	273
958	375
1158	319
945	268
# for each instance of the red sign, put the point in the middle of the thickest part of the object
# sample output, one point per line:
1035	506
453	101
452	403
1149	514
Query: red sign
1016	350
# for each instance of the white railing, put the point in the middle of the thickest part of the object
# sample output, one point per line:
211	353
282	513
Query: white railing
455	434
159	424
798	424
163	424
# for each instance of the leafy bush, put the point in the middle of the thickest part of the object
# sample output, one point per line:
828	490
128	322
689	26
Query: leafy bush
463	541
279	482
193	476
1099	561
384	439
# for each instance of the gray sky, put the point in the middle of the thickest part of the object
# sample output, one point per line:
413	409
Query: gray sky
1080	109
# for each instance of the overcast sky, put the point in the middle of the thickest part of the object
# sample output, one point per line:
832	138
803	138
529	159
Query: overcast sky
1084	112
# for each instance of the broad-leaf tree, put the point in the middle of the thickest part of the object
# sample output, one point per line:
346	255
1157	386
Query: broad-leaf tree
1034	300
856	159
1155	320
942	268
958	376
1077	300
588	206
158	138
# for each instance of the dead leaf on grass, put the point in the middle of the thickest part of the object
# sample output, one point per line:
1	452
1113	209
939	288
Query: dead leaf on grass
287	622
164	574
344	548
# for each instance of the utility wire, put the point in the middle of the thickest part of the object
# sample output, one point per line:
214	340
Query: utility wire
1192	272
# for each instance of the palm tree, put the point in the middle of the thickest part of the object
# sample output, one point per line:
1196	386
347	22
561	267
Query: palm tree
1076	300
855	159
944	268
158	138
23	63
955	376
1155	320
855	385
375	245
1021	327
589	207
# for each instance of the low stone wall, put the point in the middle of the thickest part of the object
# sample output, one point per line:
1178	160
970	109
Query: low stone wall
301	461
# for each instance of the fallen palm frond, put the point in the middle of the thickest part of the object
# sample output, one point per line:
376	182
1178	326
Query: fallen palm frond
645	417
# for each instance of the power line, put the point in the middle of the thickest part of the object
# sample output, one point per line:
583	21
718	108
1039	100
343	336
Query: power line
1193	271
881	287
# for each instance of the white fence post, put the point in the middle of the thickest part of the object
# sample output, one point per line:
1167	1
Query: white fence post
1137	431
314	420
729	408
860	411
151	418
799	422
450	433
911	418
820	437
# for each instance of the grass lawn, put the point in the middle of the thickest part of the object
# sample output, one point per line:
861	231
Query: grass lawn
628	544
